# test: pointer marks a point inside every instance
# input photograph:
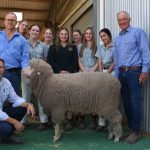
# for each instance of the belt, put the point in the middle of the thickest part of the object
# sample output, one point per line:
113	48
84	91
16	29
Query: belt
14	70
123	68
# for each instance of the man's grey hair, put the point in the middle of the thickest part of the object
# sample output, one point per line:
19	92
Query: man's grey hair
12	13
125	12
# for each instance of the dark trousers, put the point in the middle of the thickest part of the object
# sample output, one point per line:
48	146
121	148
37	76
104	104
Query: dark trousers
6	129
15	79
131	95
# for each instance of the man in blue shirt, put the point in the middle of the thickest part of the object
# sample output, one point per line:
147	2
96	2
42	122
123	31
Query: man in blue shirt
14	51
132	59
10	116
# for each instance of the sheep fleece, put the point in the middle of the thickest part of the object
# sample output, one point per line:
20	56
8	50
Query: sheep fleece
82	92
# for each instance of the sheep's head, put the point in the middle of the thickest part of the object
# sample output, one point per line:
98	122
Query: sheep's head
40	68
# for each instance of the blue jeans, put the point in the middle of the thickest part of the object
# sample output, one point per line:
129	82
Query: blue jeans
6	129
15	79
131	95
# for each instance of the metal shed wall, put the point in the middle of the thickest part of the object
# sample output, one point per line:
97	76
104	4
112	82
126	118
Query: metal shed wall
105	16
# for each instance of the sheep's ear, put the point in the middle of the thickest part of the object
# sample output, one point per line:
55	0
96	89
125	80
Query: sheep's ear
39	73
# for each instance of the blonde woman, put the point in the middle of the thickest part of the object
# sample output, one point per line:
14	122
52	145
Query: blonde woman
63	58
36	50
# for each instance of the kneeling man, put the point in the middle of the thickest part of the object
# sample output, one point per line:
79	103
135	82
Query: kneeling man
11	115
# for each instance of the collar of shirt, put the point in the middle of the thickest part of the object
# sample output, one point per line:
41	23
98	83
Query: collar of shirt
28	41
111	45
5	35
122	32
15	33
47	45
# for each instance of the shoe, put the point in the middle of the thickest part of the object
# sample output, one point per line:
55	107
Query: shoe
100	128
68	126
43	127
101	121
11	140
132	138
93	125
81	125
105	128
125	135
25	125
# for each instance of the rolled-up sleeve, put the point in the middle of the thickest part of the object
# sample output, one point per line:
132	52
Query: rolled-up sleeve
7	93
25	54
3	115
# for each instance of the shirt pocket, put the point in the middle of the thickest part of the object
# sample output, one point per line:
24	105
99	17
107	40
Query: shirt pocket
39	53
14	50
131	45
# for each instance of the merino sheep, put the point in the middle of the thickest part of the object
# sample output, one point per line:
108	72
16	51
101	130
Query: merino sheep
82	92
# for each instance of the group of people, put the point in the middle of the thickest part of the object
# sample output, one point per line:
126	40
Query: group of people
127	57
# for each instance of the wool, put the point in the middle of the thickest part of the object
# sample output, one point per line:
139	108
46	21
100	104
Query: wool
83	92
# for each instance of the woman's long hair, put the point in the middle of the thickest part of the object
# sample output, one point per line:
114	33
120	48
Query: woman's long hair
21	21
84	43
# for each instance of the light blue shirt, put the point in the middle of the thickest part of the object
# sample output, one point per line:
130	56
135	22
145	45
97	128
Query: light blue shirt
37	51
131	49
88	60
7	93
48	46
14	51
106	54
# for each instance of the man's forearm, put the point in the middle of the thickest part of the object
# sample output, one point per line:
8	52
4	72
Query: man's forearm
11	121
25	104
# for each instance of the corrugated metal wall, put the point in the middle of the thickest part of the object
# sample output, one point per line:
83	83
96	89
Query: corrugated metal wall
139	11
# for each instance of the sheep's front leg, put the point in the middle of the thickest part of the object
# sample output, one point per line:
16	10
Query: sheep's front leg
110	131
57	133
117	129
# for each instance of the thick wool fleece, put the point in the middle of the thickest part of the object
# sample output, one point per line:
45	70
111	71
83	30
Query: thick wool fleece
82	92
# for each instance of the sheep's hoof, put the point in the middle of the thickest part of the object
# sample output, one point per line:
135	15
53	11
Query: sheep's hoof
55	139
116	139
110	136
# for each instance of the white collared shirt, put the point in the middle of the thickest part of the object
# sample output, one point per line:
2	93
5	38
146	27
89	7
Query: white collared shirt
7	93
